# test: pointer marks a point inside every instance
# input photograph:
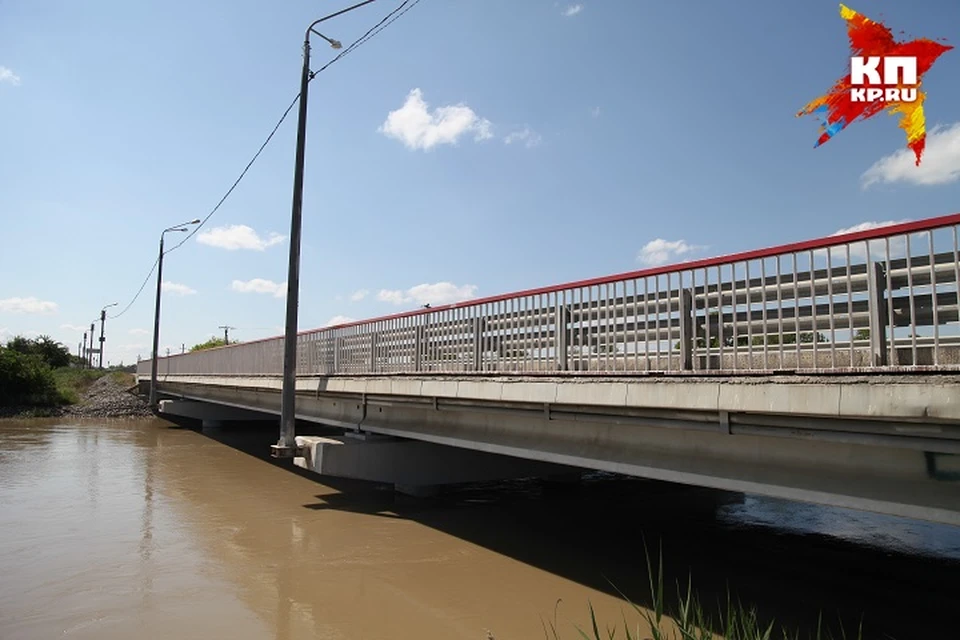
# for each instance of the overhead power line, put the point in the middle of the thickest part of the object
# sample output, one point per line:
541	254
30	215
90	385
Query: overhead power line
139	291
387	20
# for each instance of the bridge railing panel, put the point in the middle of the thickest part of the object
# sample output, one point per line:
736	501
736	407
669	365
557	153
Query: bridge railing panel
881	299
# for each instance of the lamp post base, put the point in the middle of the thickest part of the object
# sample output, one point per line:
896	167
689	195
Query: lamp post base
285	451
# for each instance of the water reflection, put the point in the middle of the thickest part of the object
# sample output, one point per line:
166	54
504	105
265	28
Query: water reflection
124	529
879	531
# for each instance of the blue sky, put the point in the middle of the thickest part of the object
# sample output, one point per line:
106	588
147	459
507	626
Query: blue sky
472	148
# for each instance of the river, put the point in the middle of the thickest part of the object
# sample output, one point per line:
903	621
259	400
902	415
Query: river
140	529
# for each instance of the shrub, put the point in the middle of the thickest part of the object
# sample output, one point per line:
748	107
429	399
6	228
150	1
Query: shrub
26	379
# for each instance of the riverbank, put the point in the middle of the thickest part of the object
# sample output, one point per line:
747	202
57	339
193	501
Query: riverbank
92	395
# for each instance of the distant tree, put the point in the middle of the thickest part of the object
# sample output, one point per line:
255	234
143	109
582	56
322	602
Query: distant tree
209	344
862	334
51	352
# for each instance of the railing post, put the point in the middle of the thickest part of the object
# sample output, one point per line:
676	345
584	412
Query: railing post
477	343
877	289
373	352
563	337
686	330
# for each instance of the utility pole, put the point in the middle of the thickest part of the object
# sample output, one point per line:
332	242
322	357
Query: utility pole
183	348
287	445
80	349
156	313
226	333
103	318
93	329
83	354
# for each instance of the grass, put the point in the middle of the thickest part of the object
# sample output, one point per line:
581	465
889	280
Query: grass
691	620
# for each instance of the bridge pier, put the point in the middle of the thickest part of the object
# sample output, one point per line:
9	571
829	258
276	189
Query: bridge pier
211	416
413	467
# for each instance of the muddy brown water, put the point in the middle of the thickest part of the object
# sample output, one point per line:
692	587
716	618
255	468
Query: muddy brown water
141	529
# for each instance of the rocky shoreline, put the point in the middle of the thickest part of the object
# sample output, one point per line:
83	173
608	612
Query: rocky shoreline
106	398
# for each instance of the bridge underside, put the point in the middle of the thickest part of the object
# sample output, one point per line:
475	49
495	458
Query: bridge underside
889	444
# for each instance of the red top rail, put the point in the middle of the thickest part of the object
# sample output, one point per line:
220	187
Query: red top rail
927	224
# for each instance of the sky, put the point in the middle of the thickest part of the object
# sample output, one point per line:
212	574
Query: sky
472	148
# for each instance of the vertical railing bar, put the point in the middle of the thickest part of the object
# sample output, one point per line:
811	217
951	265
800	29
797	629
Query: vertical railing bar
892	357
636	325
527	311
623	320
796	311
564	323
833	333
656	303
584	293
913	305
850	320
517	322
813	309
934	303
763	313
543	328
956	268
509	348
706	322
749	313
780	312
721	337
669	303
736	316
646	323
605	326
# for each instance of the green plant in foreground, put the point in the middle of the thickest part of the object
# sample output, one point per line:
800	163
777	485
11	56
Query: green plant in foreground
690	621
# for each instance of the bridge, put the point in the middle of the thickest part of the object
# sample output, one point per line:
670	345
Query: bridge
825	371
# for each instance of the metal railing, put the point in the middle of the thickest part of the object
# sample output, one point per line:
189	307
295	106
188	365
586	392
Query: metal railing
878	300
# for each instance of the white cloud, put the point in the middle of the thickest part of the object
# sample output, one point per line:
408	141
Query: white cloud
179	289
238	236
138	332
595	112
572	10
259	285
866	226
335	320
660	251
358	295
436	294
417	128
27	305
878	248
526	135
74	327
940	164
8	76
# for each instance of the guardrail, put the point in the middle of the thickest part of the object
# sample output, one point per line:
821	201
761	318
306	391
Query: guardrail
877	300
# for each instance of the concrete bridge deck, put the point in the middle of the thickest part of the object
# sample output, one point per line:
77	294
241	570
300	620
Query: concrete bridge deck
889	444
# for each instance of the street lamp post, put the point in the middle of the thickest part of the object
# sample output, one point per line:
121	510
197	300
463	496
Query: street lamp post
103	318
156	313
287	444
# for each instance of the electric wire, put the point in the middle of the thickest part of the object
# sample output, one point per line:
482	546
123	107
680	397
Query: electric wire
387	20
